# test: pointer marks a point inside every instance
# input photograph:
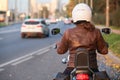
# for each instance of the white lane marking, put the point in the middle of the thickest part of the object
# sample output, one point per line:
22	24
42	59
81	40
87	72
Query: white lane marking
1	69
8	31
20	58
43	52
18	62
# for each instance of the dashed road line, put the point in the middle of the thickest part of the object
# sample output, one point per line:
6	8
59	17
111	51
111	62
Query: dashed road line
18	62
26	57
43	52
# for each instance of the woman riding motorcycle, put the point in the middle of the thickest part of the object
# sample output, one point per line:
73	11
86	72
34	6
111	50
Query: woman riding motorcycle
83	35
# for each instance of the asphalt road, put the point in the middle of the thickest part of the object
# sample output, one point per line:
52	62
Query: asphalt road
13	46
32	58
28	59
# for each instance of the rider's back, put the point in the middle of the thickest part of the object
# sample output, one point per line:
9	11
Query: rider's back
83	36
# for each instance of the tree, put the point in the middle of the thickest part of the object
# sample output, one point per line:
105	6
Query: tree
70	7
99	10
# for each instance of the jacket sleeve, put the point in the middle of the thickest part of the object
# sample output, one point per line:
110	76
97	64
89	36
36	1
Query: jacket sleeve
63	44
102	47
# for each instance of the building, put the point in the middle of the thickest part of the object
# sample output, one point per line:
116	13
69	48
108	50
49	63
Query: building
3	5
33	8
51	7
3	9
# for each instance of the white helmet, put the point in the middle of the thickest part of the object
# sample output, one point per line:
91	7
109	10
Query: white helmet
81	12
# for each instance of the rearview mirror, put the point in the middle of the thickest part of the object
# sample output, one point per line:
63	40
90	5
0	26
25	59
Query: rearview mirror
106	30
55	31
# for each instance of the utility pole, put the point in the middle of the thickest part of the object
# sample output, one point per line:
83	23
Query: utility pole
107	13
91	4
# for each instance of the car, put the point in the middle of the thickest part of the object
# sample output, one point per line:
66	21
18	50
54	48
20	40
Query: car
34	27
67	21
47	21
53	21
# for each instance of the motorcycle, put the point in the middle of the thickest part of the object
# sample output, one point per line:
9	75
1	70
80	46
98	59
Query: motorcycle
82	70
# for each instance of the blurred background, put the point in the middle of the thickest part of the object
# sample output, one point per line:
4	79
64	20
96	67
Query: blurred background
106	12
17	10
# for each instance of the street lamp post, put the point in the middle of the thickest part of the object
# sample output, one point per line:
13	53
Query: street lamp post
91	4
15	11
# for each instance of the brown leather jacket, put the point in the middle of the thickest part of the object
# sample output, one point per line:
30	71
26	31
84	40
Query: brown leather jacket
79	37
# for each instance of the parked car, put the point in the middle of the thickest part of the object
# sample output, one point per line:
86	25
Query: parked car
34	27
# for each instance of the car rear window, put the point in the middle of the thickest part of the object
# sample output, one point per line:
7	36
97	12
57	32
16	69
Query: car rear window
32	22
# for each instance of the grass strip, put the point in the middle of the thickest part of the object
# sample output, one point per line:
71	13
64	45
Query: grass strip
114	43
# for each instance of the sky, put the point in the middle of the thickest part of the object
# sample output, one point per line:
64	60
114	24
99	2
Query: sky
22	5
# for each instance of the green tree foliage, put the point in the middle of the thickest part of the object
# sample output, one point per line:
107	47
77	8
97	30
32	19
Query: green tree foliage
99	11
99	6
115	18
70	7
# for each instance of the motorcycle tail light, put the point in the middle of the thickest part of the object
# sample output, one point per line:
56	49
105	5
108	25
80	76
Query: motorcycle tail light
82	77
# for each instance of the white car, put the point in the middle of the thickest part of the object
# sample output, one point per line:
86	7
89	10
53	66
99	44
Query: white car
34	27
67	21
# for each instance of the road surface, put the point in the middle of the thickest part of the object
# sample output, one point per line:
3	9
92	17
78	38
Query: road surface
33	58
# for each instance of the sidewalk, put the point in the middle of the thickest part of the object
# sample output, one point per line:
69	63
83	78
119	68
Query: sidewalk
112	60
116	31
